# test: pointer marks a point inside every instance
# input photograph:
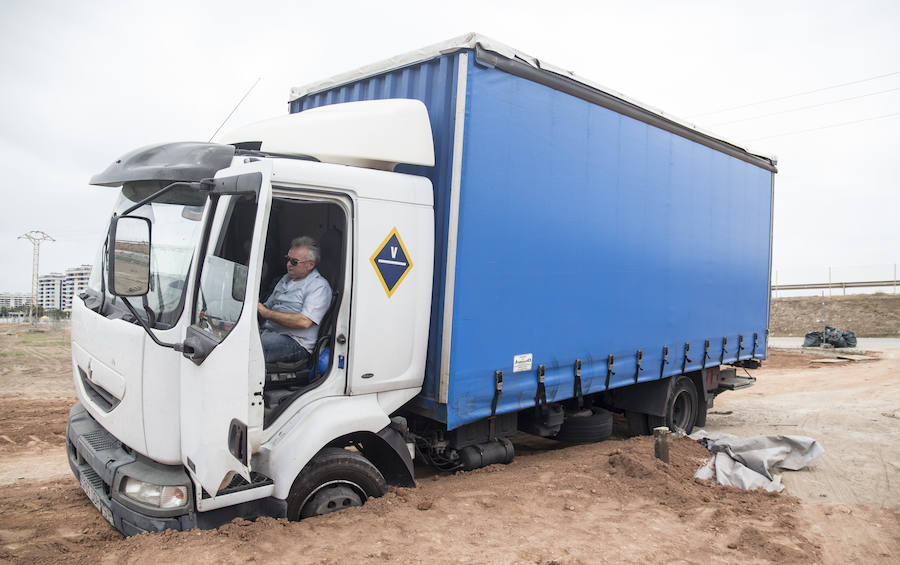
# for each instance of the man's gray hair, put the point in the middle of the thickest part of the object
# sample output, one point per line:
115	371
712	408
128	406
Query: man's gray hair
310	244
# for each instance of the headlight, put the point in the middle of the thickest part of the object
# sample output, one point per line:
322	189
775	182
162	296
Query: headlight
155	495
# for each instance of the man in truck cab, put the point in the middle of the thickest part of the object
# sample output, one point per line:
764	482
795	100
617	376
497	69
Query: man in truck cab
295	308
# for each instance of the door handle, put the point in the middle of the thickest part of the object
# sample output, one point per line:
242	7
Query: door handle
197	346
191	349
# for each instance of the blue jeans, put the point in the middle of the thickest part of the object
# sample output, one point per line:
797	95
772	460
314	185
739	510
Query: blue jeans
280	347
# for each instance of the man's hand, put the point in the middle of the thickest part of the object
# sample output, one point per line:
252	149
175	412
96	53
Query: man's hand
286	319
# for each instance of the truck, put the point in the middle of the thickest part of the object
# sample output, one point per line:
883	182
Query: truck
511	248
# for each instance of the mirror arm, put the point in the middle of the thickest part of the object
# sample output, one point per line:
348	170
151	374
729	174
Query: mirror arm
134	312
241	184
205	184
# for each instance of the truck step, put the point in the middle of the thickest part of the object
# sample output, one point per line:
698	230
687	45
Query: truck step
734	382
238	483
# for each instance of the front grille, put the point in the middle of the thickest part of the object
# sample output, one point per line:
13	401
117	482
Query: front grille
100	440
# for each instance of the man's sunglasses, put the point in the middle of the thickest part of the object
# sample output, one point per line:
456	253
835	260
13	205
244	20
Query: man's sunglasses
295	262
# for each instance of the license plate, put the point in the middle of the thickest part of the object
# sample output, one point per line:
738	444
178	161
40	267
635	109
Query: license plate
95	499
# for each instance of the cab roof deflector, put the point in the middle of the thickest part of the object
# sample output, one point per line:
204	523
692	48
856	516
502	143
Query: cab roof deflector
375	134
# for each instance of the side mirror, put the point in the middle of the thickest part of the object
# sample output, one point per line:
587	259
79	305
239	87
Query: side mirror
128	256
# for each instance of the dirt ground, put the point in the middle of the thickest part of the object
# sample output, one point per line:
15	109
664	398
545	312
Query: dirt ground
607	502
869	315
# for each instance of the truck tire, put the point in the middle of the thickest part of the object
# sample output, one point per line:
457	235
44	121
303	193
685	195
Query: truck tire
333	480
682	408
637	423
588	427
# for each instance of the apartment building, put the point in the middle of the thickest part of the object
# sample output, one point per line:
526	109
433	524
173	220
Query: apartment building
56	290
14	299
76	281
50	288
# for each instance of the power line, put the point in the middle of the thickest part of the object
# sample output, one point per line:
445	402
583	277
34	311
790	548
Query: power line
872	119
795	95
804	107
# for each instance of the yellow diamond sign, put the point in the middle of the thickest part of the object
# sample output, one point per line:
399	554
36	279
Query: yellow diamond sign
391	261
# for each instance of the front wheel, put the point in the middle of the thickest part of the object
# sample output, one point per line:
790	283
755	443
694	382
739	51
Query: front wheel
333	480
682	408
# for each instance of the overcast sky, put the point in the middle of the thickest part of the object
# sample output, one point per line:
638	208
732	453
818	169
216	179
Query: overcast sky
84	82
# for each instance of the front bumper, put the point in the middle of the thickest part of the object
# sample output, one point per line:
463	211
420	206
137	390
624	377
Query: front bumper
96	456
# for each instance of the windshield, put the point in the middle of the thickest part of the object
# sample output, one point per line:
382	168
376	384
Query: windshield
175	219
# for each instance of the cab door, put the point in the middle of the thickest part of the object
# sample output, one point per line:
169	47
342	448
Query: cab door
222	373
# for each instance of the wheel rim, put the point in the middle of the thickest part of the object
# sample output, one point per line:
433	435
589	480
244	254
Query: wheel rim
331	499
682	411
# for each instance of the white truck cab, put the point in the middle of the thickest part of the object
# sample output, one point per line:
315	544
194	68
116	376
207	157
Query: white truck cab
180	423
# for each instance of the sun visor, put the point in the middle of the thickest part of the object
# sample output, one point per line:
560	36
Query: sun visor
174	162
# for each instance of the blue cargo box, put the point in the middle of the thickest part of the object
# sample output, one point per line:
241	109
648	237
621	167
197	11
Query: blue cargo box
572	226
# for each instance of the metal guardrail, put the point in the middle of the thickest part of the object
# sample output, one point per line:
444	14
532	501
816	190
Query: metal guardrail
843	285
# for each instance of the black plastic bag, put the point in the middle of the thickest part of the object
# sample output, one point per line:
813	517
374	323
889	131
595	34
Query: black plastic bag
813	339
832	336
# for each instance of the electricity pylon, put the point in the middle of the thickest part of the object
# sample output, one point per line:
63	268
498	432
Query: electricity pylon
35	237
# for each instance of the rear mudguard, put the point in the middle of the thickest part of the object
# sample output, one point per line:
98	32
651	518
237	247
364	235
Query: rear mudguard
652	397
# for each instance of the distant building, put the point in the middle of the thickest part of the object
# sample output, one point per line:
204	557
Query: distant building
75	283
50	289
14	300
57	290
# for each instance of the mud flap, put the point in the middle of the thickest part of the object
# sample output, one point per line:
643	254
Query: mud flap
392	457
648	397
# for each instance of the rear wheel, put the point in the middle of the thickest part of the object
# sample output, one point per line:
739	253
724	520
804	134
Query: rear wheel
333	480
681	409
588	426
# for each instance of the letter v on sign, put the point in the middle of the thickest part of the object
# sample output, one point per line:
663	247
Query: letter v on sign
391	261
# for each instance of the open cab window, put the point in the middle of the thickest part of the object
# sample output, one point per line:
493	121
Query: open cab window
223	278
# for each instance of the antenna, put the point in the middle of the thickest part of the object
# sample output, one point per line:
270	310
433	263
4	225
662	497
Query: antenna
233	110
35	237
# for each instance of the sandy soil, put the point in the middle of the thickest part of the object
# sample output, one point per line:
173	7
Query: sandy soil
606	502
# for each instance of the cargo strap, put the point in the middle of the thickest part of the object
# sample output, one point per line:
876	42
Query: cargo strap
578	394
686	360
724	350
609	369
705	353
498	388
755	342
665	361
540	400
638	358
740	346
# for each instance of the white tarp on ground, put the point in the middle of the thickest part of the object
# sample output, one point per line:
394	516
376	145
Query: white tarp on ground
748	463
